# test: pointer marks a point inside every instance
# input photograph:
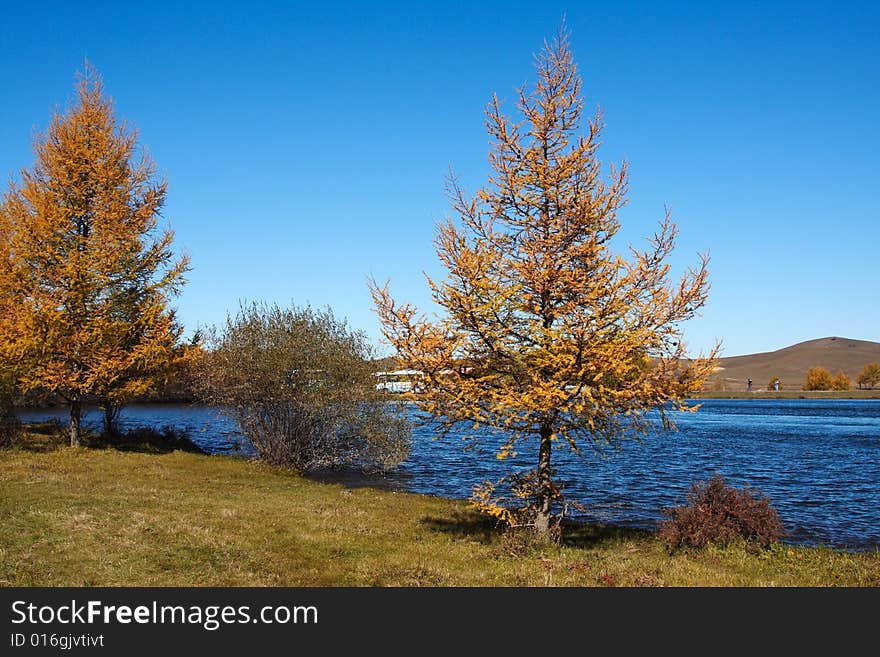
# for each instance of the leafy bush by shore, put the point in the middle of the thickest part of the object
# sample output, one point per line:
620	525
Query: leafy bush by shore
300	384
721	514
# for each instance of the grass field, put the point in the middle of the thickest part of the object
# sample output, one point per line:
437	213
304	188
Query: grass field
88	517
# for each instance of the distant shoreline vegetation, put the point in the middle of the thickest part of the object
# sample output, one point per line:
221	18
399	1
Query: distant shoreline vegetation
185	398
789	394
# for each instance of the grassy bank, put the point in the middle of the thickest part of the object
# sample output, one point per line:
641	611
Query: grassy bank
790	394
108	517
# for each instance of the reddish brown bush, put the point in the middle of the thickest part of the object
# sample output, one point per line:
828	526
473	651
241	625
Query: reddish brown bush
721	514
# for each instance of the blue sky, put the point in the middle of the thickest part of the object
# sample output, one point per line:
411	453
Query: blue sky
306	144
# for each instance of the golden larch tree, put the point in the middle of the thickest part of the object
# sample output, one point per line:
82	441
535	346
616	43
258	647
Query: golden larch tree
547	334
841	381
88	274
869	376
818	378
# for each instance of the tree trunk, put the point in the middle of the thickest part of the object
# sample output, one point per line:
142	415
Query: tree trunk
75	422
545	484
111	418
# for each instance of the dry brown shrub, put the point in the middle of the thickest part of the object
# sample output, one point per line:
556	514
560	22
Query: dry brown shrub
721	514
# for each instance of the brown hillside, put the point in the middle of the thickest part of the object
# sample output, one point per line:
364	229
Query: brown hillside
791	363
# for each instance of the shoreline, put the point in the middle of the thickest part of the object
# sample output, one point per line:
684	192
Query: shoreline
40	440
853	395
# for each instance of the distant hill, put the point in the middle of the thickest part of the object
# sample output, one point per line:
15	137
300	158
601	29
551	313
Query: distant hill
385	364
791	363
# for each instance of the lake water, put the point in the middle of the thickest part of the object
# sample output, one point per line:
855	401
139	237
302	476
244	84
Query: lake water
817	460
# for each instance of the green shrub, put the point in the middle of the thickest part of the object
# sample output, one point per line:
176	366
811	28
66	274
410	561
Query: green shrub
300	384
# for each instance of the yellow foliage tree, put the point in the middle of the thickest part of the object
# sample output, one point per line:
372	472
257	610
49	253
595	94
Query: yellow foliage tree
86	271
870	376
548	335
818	378
841	381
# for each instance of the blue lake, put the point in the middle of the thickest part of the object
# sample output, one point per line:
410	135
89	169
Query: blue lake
817	460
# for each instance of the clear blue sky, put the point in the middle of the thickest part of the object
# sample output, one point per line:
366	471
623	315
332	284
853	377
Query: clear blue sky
306	143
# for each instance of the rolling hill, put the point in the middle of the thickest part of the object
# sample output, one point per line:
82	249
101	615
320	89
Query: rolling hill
791	363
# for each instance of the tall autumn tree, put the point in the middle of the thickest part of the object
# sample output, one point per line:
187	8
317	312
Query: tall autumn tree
88	272
547	334
869	376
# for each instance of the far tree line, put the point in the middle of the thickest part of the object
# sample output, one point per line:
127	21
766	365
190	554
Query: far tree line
820	378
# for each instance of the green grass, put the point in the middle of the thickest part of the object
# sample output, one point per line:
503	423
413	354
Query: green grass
90	517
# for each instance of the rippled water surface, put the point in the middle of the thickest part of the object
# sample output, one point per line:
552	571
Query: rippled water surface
817	460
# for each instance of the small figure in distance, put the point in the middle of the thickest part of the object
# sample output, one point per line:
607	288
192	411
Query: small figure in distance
750	385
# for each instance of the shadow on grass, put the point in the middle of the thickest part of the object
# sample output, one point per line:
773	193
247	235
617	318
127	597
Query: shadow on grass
592	534
49	436
465	524
145	440
39	437
354	478
479	527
